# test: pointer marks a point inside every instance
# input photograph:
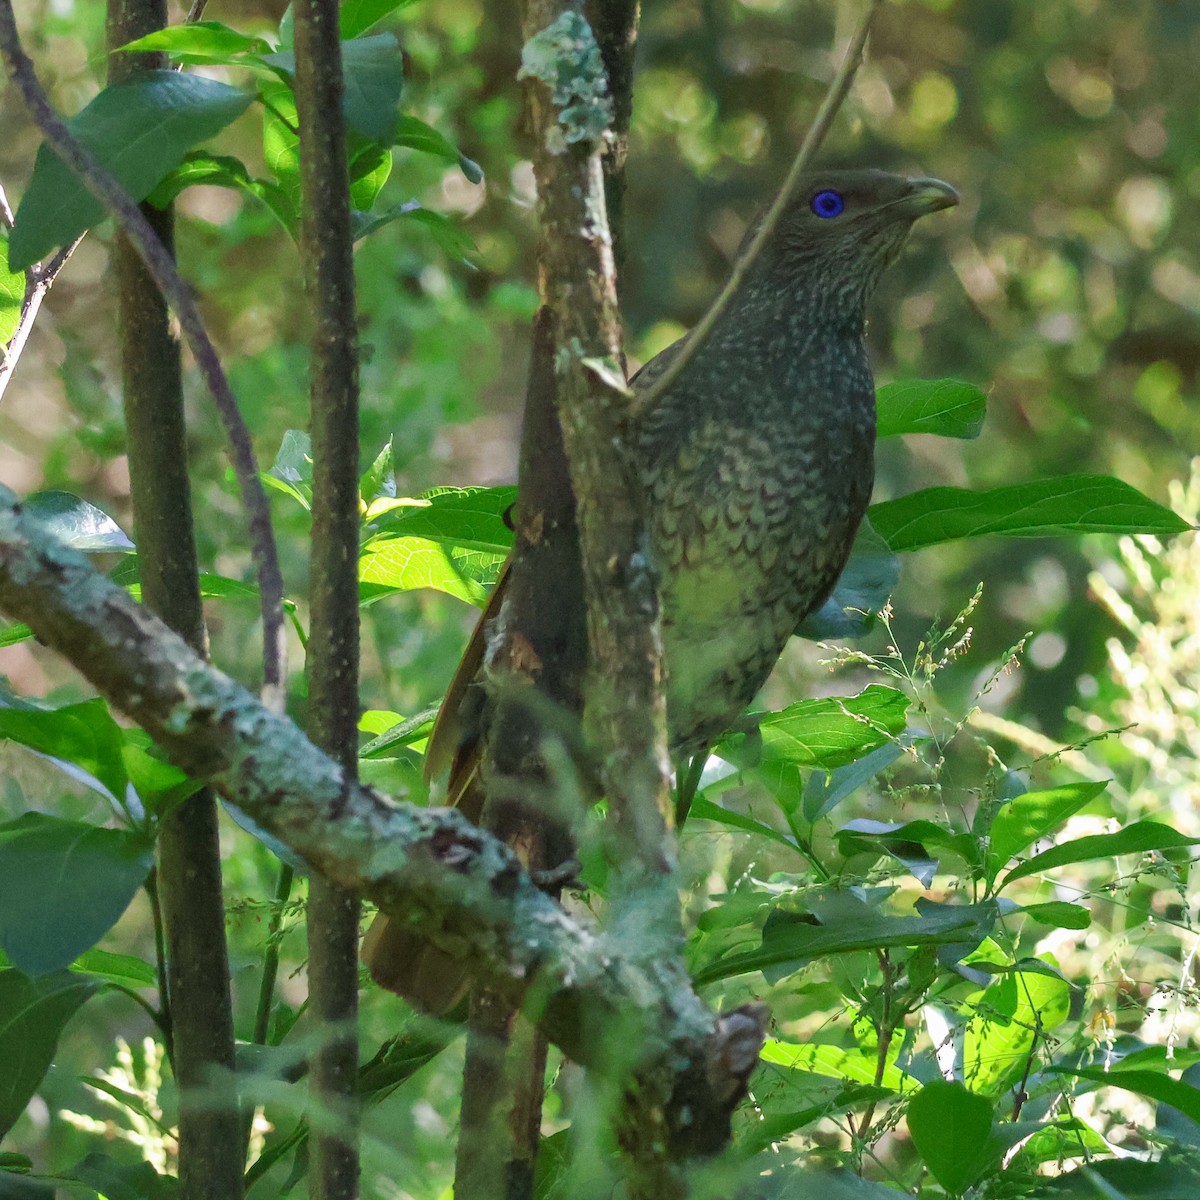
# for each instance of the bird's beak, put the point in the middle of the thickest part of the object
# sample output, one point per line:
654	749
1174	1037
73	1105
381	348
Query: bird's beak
928	196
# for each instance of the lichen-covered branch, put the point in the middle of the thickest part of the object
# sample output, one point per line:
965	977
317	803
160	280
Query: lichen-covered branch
457	885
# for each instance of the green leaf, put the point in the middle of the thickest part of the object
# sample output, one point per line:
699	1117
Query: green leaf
453	540
373	70
827	732
852	1065
1068	504
398	734
1011	1013
1058	914
946	407
951	1128
1138	838
33	1013
369	171
1153	1084
116	968
78	524
200	42
79	737
12	293
1031	816
213	170
1125	1179
703	809
449	237
123	1181
824	791
840	923
139	131
63	885
378	481
864	587
357	16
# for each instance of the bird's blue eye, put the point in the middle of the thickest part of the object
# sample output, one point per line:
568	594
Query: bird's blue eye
827	204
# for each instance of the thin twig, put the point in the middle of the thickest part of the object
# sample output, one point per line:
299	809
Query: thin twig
38	280
834	98
178	295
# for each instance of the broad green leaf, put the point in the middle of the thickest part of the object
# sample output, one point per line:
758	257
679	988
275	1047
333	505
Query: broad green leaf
827	732
911	843
77	523
453	540
946	407
357	16
213	170
123	1181
1059	914
1154	1084
951	1128
139	131
200	42
1138	838
116	968
12	293
852	1065
83	736
1068	504
33	1013
159	784
373	72
1031	816
378	481
864	587
1011	1014
63	885
843	924
398	734
281	150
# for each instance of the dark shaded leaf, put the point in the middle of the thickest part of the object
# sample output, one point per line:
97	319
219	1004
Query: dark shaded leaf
32	1015
63	885
865	586
139	131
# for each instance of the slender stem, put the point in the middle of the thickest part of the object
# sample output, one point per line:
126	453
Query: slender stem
162	270
833	101
270	966
160	961
153	1013
333	650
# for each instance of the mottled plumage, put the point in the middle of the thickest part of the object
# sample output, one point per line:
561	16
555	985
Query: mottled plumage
757	465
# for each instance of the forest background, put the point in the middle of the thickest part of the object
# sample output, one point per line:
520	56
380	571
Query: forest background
1066	286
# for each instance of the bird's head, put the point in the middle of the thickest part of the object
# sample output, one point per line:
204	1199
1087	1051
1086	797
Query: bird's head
845	227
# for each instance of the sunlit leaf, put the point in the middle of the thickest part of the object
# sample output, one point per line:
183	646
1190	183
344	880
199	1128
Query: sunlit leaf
200	42
12	293
357	16
1031	816
76	523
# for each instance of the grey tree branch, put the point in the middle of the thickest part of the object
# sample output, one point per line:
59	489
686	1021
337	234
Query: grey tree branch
455	884
839	88
161	268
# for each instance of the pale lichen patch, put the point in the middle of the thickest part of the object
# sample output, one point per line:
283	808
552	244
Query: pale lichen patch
566	58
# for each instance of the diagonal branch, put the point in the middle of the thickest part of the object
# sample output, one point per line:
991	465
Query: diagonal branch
162	270
455	884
